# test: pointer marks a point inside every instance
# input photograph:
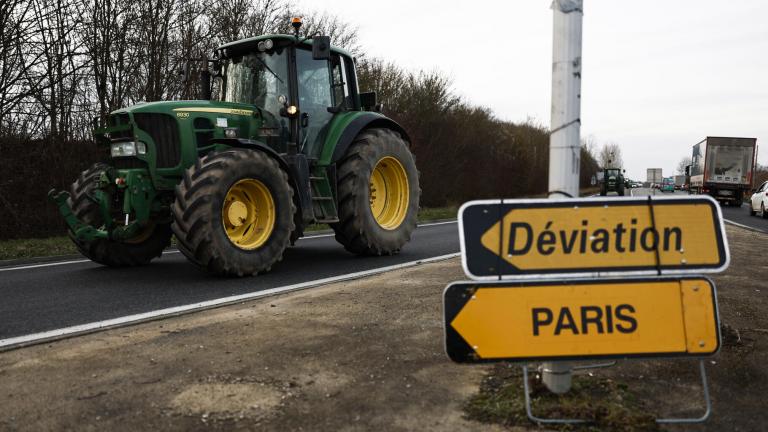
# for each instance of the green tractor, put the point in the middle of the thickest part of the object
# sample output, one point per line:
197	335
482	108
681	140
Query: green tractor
613	181
289	141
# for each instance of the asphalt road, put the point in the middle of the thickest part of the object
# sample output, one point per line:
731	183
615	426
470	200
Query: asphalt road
736	215
51	297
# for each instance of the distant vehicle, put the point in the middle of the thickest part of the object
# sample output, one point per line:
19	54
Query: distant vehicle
679	181
759	201
667	185
722	167
613	181
654	176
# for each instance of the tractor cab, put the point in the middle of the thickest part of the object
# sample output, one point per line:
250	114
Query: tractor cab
297	85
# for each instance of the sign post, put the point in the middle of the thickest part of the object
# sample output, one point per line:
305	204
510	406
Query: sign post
558	280
564	145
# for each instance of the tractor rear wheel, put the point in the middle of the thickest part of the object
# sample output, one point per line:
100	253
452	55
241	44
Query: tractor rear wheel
233	213
378	194
141	250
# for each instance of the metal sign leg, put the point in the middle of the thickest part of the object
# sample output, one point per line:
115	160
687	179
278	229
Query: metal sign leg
707	401
533	418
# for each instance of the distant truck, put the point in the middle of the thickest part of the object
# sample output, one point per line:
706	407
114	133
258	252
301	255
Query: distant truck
722	167
654	177
680	182
667	185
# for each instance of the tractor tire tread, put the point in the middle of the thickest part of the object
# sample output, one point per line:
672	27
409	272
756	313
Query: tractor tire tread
197	209
357	230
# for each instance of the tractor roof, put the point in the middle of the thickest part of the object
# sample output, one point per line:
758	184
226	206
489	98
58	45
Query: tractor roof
252	41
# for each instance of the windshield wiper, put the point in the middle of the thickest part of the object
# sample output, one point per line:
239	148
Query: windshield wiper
270	70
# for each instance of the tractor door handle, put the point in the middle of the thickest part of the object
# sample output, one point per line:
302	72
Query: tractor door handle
304	119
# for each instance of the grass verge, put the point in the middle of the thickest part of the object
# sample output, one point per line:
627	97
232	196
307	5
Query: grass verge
62	245
28	248
605	403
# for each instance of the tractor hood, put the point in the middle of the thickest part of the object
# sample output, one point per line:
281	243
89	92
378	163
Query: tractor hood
173	134
198	120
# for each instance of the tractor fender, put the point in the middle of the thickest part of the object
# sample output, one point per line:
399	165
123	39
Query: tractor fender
296	166
365	121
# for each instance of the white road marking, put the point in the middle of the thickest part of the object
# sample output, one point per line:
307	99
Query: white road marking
24	267
751	228
169	252
66	332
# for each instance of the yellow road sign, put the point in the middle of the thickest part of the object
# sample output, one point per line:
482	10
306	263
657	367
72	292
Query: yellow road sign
581	319
615	235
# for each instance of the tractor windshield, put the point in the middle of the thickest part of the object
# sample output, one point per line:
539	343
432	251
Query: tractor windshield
258	79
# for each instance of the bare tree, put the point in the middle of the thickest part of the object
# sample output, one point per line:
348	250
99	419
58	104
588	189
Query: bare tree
111	55
343	34
238	19
610	156
684	162
16	31
56	79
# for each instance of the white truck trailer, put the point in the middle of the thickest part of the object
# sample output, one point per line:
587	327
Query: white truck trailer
722	167
654	177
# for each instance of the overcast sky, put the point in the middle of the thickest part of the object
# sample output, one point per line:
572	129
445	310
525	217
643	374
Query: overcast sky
658	76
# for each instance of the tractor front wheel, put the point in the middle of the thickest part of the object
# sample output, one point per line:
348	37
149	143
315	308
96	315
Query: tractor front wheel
233	213
139	251
378	194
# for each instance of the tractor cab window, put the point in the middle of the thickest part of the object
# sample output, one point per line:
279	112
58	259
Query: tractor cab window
260	79
341	93
314	82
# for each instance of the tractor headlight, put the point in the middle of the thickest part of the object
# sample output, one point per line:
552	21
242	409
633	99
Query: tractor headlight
128	148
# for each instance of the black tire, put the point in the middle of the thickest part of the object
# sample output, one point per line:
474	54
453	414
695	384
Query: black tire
752	211
357	229
109	252
197	212
763	214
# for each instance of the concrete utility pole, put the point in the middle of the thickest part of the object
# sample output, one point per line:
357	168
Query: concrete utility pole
564	145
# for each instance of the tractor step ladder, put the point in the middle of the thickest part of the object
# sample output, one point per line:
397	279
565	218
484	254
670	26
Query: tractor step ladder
323	201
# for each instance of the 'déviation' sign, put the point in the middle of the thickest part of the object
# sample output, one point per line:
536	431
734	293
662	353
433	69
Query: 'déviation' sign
671	235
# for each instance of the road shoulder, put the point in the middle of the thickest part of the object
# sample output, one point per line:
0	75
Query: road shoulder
360	355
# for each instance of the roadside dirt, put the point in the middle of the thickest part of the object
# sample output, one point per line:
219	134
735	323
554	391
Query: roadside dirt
362	355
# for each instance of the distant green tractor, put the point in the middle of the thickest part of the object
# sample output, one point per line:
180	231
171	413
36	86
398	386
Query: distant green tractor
613	181
288	142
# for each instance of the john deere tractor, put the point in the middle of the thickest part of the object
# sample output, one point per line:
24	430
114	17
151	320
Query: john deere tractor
289	141
613	181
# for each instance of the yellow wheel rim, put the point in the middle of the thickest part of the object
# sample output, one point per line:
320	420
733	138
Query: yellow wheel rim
389	193
248	214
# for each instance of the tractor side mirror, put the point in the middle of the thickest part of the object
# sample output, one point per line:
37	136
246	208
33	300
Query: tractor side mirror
321	47
368	100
